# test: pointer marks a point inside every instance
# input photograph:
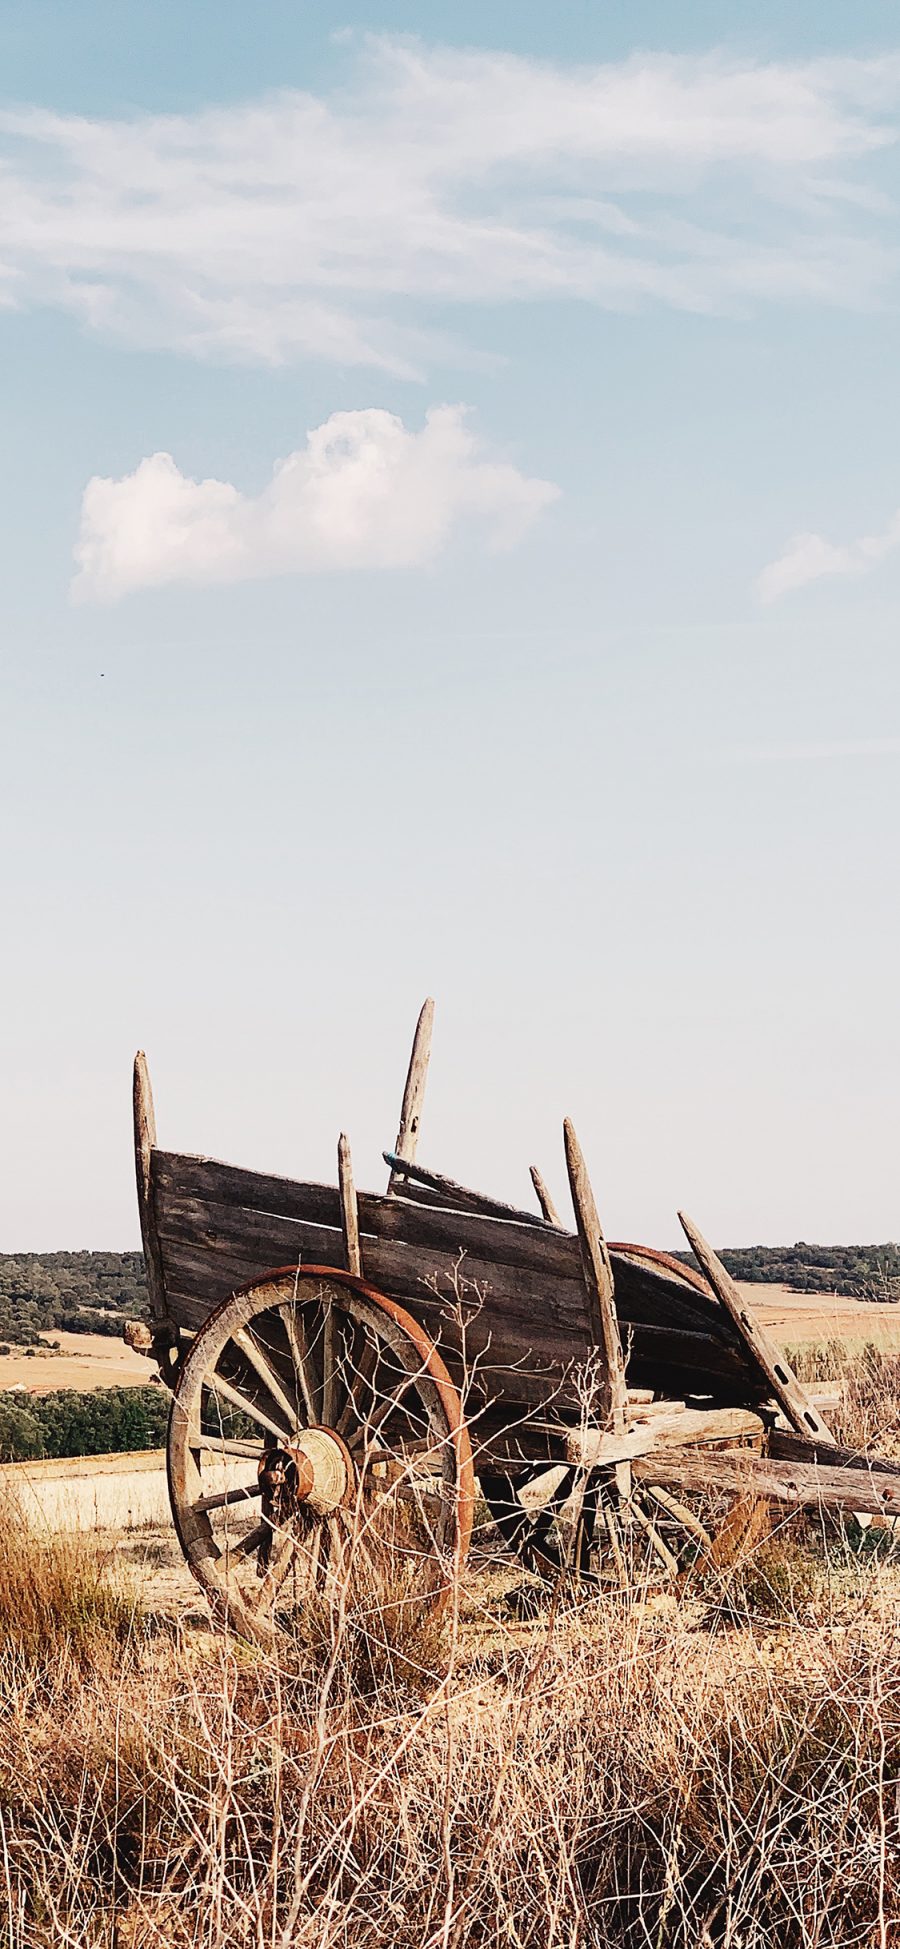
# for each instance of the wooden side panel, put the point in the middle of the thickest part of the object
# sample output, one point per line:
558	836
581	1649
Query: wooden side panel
219	1227
535	1247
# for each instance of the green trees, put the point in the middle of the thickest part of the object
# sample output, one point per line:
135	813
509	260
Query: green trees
855	1271
103	1423
85	1292
21	1434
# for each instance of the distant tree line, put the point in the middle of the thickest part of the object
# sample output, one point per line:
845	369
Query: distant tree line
79	1292
854	1271
109	1421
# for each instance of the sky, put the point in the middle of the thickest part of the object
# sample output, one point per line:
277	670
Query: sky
450	539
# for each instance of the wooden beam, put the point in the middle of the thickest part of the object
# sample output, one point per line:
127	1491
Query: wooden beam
683	1428
410	1180
548	1208
804	1485
144	1145
788	1391
597	1273
414	1093
801	1448
349	1208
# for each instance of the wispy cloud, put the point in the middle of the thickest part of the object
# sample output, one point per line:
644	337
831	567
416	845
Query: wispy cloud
364	492
333	225
807	558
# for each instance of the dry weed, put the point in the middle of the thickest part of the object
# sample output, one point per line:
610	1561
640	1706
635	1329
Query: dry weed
604	1776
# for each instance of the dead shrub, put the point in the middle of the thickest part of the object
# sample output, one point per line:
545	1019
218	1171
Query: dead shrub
57	1592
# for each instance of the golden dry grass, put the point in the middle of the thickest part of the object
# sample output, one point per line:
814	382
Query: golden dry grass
720	1767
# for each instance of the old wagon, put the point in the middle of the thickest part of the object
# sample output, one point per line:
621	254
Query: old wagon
345	1366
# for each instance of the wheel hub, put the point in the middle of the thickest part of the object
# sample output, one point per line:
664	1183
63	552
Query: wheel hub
314	1471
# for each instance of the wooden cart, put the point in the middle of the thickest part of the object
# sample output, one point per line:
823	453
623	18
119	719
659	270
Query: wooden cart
344	1365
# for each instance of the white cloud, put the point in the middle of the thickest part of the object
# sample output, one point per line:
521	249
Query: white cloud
333	225
364	493
807	558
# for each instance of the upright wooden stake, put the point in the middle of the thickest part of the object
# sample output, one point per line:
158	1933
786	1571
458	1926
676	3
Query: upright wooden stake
144	1145
599	1285
544	1199
598	1279
414	1093
349	1208
788	1391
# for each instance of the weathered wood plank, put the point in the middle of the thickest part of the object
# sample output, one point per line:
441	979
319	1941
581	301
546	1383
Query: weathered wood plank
803	1484
436	1242
234	1245
414	1091
537	1245
790	1447
598	1281
589	1448
548	1209
513	1296
541	1249
144	1145
457	1196
349	1208
198	1280
788	1391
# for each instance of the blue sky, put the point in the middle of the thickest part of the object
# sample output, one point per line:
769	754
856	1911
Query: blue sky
450	544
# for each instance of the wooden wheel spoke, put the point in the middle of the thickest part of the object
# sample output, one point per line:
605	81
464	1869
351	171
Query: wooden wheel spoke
275	1572
263	1368
376	1420
363	1374
329	1343
227	1445
307	1559
225	1498
304	1367
233	1395
249	1544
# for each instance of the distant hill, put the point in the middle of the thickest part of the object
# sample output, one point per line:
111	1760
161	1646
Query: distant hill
83	1292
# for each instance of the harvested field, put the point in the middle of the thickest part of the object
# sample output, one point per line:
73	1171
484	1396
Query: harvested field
798	1319
85	1361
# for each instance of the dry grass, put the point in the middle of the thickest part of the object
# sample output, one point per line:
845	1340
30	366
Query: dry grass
716	1769
869	1413
57	1599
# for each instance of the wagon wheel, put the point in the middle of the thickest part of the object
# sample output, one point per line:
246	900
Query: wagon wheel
317	1456
614	1540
